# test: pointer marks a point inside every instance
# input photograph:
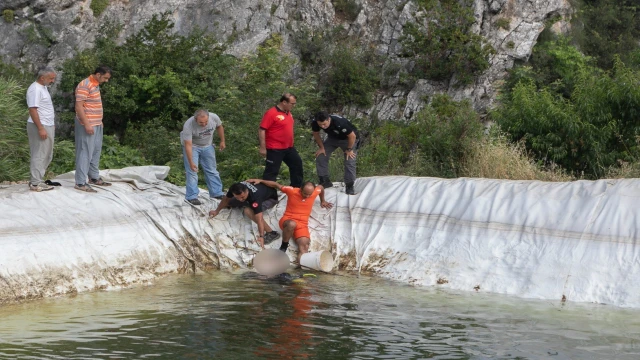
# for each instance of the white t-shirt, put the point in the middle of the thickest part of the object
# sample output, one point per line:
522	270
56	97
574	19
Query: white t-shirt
38	97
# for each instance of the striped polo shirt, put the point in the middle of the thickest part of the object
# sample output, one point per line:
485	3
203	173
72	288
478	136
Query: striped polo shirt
89	91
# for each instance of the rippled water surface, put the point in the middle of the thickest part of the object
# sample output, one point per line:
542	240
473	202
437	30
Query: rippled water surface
236	316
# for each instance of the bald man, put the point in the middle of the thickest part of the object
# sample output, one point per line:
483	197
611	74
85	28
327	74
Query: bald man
295	221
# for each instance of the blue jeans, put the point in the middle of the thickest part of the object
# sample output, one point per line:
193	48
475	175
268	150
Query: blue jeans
204	157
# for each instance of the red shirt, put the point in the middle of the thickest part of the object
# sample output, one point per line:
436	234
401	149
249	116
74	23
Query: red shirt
278	126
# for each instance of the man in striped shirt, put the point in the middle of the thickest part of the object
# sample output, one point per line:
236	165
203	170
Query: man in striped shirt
89	129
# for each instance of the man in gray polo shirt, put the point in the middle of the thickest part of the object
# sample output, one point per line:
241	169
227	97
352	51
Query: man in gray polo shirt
40	128
197	148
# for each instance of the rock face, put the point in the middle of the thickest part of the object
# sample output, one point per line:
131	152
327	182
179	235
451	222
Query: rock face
50	31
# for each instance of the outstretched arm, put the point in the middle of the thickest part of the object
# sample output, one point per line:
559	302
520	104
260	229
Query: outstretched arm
223	204
323	203
271	184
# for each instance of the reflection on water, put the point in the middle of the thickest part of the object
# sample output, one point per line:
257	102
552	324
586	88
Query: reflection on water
232	316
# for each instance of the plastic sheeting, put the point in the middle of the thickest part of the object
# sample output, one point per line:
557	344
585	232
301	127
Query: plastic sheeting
574	240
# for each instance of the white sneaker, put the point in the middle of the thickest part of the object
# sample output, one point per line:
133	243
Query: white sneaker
40	187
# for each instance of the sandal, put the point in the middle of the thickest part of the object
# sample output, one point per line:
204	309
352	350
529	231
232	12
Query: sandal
99	182
85	188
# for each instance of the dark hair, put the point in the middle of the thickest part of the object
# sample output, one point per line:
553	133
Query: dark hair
103	70
321	116
308	183
238	188
287	96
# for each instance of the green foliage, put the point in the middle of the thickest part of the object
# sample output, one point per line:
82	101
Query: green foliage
155	142
606	28
446	46
274	7
14	146
8	15
349	9
435	144
98	7
594	129
157	74
555	63
349	80
113	156
350	72
64	157
503	23
116	156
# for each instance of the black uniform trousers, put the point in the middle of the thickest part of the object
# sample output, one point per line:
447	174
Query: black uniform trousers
290	157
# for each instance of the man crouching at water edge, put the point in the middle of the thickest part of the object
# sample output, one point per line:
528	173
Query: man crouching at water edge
254	199
295	221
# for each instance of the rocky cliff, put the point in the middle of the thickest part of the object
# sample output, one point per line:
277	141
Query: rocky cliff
36	32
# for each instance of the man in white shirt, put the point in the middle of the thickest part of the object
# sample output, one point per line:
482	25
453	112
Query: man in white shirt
40	128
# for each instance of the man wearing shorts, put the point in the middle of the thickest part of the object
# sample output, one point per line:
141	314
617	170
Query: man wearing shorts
253	199
295	221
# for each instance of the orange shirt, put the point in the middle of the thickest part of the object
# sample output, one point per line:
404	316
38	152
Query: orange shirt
88	90
299	208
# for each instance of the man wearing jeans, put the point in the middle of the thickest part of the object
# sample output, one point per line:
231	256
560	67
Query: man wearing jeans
89	130
197	148
40	128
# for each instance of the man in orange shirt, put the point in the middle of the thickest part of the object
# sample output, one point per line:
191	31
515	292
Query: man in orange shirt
88	130
295	221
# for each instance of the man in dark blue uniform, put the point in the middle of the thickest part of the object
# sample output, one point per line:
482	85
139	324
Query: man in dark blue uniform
341	133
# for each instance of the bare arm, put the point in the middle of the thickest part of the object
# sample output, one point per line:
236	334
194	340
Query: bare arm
220	130
33	111
188	149
223	204
263	142
271	184
323	203
351	140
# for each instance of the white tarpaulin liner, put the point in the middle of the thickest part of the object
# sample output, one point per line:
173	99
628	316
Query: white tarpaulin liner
573	240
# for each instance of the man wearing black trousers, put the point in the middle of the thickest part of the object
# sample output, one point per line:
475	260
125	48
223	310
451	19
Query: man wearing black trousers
276	141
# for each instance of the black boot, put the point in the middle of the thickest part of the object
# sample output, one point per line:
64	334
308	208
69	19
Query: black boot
325	182
349	190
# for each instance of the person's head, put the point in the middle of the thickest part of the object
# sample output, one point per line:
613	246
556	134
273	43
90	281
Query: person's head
102	74
45	76
307	189
323	119
240	191
202	117
287	101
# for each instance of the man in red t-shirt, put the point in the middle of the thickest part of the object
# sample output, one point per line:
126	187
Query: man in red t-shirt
295	221
276	141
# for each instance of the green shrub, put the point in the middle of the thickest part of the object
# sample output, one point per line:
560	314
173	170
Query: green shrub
588	133
350	72
14	146
349	9
8	15
98	7
157	74
156	143
503	23
435	144
606	28
447	46
350	80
